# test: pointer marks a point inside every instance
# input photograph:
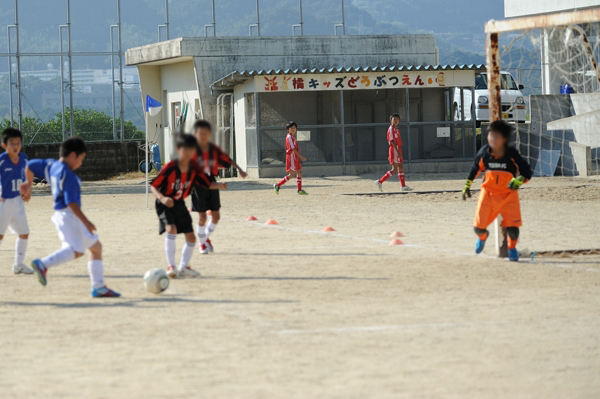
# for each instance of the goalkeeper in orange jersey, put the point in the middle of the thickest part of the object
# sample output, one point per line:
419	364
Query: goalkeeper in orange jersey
504	172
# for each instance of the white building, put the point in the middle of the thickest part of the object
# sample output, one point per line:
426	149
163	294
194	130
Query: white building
340	90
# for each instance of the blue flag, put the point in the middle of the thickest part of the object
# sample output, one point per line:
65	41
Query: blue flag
153	107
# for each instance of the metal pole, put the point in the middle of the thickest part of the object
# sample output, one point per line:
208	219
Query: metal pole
10	82
214	19
257	19
343	123
112	81
62	83
462	120
122	104
70	57
407	117
343	19
473	121
18	58
166	18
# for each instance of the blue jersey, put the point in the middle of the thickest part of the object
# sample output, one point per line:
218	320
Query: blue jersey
65	185
11	175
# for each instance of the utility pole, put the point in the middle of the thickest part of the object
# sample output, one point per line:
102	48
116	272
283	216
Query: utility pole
62	82
70	57
10	80
18	58
166	18
122	104
112	81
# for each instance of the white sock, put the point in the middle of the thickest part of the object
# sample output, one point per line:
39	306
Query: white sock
201	230
170	247
96	271
210	228
20	249
61	256
186	254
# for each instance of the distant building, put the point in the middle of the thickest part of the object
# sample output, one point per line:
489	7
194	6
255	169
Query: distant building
94	96
340	90
81	76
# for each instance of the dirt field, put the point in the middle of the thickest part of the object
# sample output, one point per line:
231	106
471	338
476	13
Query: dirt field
290	312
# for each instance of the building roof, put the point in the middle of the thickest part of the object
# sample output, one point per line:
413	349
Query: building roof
237	77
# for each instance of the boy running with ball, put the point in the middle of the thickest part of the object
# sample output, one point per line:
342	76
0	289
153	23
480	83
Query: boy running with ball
171	187
395	155
75	230
210	158
292	160
504	172
12	205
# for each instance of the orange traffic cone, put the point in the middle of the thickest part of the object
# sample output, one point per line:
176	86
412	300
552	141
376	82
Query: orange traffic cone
396	241
271	221
250	219
328	229
396	234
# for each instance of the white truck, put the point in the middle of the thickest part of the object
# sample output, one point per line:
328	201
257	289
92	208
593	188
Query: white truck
514	106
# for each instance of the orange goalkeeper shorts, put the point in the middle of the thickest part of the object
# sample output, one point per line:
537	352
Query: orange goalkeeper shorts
491	204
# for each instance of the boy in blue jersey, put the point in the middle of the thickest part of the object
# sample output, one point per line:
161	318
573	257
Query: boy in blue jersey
12	207
75	230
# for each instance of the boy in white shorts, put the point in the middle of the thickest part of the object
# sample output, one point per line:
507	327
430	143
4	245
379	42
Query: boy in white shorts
12	207
75	231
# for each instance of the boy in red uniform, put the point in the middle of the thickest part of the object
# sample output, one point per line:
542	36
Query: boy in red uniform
210	158
504	172
292	160
395	155
172	185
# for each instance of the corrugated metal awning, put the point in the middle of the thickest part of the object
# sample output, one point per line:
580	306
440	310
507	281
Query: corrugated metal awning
237	77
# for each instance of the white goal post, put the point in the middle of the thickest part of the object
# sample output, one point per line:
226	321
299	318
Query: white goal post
569	21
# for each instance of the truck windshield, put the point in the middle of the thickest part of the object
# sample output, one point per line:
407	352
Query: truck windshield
508	83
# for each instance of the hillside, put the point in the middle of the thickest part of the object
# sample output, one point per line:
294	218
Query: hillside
457	25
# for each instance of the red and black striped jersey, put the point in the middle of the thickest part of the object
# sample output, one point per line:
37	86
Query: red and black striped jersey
175	184
210	161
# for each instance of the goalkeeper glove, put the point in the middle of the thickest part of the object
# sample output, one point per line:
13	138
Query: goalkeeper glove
516	182
466	192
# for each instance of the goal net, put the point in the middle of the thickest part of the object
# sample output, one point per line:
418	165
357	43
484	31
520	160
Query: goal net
542	75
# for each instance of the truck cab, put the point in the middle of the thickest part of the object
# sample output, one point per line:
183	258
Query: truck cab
514	107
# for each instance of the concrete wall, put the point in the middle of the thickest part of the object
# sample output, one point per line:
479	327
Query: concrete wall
103	160
517	8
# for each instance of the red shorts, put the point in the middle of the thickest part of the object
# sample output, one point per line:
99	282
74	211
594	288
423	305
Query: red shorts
292	162
491	204
394	157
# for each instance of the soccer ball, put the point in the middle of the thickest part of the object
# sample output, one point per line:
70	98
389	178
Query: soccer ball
156	281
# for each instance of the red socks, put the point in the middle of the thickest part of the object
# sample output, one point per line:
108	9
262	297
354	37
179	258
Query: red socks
283	181
386	176
401	178
512	244
299	183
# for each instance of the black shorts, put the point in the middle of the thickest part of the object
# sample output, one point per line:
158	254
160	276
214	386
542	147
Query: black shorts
205	199
178	215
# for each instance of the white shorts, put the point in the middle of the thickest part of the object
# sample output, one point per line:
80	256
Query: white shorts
72	232
12	215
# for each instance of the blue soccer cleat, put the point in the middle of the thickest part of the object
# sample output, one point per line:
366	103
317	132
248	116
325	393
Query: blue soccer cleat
40	270
479	245
513	255
104	292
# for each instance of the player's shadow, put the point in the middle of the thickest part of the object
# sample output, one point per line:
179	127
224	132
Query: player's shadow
116	302
294	278
177	298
